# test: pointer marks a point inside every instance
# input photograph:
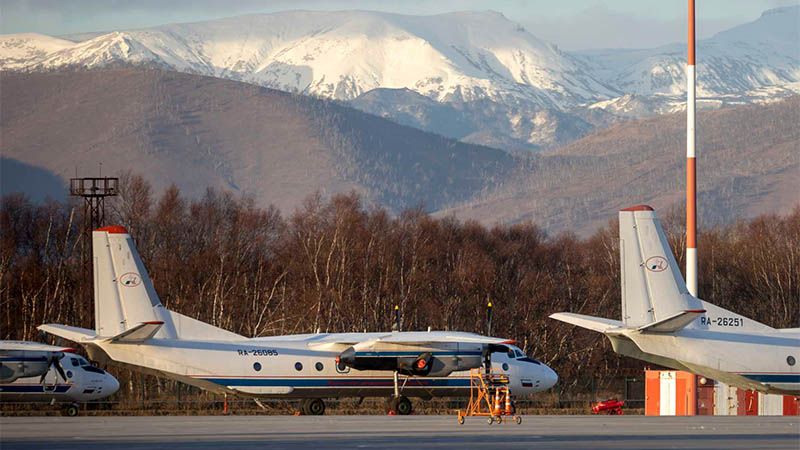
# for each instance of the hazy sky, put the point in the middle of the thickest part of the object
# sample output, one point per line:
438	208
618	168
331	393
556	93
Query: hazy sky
572	24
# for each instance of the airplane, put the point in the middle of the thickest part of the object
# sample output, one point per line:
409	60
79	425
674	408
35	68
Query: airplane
33	372
132	327
662	323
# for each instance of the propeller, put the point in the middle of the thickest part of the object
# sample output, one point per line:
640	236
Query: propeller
54	360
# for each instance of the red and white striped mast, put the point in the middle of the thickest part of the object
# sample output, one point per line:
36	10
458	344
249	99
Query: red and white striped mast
691	174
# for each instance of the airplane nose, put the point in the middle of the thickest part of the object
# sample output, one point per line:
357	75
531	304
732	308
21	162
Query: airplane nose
550	377
112	384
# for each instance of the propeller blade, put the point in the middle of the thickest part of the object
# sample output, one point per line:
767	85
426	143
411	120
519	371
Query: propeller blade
59	369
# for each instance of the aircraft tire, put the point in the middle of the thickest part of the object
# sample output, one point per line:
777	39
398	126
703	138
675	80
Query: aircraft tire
313	407
403	406
71	410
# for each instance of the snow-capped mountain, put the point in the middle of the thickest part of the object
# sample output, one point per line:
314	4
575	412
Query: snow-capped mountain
510	88
20	50
340	55
738	65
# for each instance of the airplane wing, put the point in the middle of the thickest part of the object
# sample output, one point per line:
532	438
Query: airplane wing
139	333
598	324
32	346
74	334
672	323
408	338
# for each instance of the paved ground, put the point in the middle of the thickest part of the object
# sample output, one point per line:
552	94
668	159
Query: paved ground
393	432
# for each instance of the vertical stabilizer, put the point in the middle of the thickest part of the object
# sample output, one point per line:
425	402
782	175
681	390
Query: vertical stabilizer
652	286
123	293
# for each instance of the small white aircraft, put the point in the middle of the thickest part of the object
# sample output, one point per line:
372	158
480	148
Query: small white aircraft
663	324
132	327
33	372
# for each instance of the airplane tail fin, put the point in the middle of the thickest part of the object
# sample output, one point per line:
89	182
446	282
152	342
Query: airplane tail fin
126	306
124	296
652	286
654	294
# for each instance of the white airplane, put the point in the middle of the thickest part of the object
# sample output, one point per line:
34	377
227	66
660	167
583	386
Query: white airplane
663	324
132	327
33	372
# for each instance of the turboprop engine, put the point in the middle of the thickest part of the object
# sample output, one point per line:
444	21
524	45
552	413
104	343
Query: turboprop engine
424	363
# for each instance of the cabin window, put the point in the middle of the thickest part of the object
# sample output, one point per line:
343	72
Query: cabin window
69	374
257	367
790	360
298	366
319	366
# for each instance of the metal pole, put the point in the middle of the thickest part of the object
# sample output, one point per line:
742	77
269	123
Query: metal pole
691	174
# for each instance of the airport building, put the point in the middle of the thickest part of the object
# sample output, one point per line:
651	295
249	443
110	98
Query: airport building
678	393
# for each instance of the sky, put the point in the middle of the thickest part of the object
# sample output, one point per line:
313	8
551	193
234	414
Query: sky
571	24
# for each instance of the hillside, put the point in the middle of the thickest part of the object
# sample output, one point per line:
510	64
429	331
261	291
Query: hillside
200	132
748	164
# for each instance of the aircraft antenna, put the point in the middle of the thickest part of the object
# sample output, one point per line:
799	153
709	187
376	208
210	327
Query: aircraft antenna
691	174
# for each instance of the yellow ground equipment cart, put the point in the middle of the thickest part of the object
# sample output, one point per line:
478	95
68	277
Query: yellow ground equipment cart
489	396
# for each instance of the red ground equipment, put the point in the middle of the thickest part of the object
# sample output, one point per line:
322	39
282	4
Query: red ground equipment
611	406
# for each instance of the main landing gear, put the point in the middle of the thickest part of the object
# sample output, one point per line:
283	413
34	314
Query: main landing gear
399	404
70	410
312	407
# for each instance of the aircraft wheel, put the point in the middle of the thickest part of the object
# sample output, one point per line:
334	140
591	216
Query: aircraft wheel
403	406
461	420
490	420
499	419
71	410
313	407
518	419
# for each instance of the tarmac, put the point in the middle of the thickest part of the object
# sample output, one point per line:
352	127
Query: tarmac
398	432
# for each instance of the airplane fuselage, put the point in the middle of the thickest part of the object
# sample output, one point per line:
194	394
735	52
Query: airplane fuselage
292	368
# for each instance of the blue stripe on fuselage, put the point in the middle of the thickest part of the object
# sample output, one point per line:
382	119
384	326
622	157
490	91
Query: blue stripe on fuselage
338	382
33	389
773	377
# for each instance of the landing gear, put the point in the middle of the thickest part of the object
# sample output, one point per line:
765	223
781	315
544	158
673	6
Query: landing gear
71	410
401	405
313	407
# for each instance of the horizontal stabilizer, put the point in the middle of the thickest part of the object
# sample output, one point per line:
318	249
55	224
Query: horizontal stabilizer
139	333
590	322
672	323
74	334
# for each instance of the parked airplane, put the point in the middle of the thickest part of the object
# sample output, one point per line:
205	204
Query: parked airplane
33	372
132	327
663	324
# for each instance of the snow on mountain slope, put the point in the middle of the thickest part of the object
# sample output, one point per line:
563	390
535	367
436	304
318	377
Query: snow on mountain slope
19	50
752	56
456	56
508	88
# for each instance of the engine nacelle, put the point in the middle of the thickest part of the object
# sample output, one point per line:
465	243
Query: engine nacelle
424	364
23	364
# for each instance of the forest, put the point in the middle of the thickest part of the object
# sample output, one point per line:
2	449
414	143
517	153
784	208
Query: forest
338	264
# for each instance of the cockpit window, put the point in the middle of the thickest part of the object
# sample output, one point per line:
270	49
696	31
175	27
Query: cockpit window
530	360
92	369
518	353
75	362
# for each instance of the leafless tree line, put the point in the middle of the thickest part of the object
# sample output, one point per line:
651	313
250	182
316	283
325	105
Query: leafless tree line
336	265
